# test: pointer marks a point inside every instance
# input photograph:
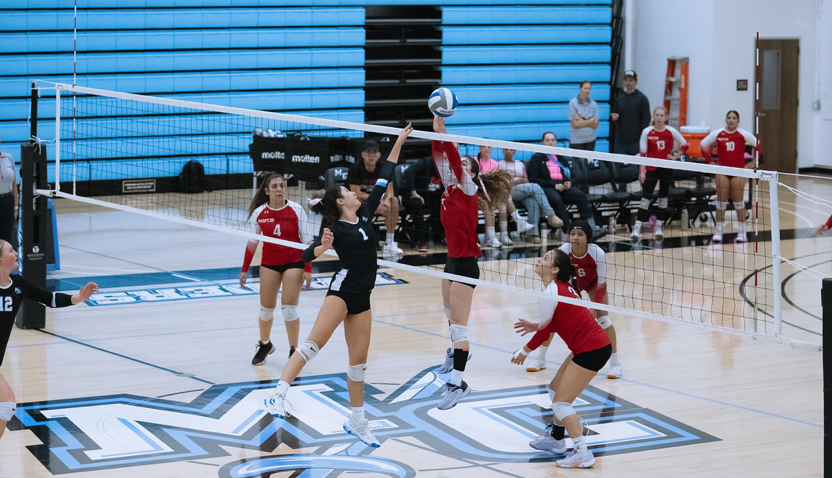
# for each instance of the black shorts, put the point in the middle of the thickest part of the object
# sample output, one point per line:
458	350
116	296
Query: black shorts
285	267
356	303
594	359
463	266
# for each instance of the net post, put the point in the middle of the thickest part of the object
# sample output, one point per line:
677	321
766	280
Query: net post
774	206
57	137
826	303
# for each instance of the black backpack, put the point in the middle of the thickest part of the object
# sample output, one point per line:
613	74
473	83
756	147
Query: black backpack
192	178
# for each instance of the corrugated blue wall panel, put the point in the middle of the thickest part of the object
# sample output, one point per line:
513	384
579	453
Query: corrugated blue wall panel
525	54
525	15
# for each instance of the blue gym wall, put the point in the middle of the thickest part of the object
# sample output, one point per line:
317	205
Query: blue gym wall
514	68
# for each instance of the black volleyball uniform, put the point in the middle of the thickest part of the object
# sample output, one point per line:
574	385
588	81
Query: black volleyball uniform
11	298
355	244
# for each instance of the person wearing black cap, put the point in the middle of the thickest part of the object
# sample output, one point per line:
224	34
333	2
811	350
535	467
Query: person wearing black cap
590	263
362	178
630	114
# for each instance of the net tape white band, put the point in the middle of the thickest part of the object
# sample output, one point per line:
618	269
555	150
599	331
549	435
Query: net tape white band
539	148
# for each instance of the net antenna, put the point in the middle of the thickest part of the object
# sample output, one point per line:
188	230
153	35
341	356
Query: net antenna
139	141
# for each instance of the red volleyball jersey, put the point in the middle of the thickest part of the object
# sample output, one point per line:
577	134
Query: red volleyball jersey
591	268
659	144
288	223
574	323
730	147
459	207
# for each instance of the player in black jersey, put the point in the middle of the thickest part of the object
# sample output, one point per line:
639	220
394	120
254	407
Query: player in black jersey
348	228
13	289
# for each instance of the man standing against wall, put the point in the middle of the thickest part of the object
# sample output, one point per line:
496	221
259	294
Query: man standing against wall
631	114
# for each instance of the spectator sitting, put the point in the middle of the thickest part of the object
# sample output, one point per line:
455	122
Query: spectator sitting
362	178
554	177
486	165
530	194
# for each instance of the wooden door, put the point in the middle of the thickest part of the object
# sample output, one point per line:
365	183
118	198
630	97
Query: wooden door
778	103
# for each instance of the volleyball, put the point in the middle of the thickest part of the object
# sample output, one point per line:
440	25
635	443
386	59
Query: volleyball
442	102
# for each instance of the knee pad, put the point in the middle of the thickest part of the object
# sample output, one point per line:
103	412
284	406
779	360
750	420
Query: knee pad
459	333
722	205
266	314
290	312
308	350
356	372
645	203
551	394
604	321
562	410
447	313
663	203
7	410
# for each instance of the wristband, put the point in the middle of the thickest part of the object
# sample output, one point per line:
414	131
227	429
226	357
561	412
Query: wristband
518	353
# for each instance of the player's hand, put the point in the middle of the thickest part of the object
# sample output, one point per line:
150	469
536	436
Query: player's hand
519	356
439	124
307	281
404	133
567	184
382	207
642	178
523	327
614	116
823	228
243	278
87	291
327	238
416	195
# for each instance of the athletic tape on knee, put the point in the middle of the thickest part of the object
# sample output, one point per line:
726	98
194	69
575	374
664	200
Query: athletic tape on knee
356	372
645	203
663	203
7	410
604	321
266	314
290	312
308	350
562	410
722	205
459	333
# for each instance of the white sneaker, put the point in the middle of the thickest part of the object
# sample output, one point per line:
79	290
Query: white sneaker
717	237
615	370
547	443
658	235
453	395
276	405
392	248
492	242
505	239
523	225
578	459
536	364
635	237
362	431
742	236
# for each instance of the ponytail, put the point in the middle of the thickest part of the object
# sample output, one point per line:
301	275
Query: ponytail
260	197
328	206
565	268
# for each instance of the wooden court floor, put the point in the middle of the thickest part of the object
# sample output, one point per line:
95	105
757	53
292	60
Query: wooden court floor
155	379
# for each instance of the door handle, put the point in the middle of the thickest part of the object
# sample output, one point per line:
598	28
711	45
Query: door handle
762	114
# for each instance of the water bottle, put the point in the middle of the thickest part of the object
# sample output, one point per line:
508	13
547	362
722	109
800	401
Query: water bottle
544	236
685	218
612	224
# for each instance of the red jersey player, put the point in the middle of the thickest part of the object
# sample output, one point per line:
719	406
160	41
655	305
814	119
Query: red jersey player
272	215
590	349
730	143
590	265
661	141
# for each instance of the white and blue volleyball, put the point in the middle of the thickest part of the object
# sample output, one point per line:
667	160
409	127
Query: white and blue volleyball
442	102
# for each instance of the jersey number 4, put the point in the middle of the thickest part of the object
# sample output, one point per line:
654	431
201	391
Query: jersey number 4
277	230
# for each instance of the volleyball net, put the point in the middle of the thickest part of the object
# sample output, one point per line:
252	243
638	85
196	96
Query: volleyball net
137	153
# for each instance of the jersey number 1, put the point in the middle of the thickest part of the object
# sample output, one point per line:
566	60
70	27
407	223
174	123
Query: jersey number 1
363	234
